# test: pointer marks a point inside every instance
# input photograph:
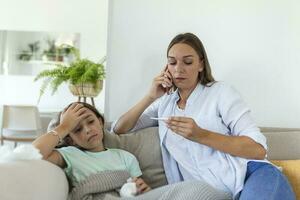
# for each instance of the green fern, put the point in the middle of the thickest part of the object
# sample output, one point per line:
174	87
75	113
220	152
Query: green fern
79	71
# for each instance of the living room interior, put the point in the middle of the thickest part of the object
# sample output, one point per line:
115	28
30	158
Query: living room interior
252	45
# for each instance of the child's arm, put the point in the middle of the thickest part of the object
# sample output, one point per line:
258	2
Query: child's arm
47	142
141	185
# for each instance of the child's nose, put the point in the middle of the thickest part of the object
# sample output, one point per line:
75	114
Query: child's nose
87	129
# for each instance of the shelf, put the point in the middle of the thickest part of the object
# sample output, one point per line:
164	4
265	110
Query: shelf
39	62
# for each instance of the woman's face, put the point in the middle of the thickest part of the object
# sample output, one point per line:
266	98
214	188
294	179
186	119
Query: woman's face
88	134
184	65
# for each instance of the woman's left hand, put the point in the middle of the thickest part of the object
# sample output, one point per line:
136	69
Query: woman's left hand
184	126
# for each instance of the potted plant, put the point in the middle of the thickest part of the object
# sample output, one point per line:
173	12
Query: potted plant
85	77
27	55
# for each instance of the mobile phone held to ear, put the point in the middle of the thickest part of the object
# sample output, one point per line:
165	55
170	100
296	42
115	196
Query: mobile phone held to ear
168	89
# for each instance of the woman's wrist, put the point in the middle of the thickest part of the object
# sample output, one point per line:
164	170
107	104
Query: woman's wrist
202	136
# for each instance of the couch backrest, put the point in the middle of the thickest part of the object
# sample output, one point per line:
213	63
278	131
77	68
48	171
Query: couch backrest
144	144
283	143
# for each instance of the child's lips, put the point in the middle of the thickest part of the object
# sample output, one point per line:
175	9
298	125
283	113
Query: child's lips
91	137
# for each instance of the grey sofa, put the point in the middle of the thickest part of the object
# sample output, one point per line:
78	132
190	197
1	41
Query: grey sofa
35	180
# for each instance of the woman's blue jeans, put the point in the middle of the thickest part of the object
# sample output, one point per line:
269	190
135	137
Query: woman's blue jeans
264	181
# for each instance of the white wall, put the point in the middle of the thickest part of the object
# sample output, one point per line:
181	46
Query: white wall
88	18
253	45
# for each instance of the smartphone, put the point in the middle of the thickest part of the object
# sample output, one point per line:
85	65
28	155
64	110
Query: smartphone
168	89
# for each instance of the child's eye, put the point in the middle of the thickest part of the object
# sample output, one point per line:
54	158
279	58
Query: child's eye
77	130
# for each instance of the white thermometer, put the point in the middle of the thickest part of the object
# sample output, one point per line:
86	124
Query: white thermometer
159	118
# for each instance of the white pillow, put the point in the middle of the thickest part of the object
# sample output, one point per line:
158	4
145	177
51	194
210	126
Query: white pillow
32	180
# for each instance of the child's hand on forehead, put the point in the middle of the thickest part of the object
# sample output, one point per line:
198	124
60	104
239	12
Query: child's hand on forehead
72	116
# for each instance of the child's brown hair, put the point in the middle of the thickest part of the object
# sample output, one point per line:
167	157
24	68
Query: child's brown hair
67	140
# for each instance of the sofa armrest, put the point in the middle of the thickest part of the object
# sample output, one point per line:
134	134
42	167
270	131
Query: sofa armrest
32	180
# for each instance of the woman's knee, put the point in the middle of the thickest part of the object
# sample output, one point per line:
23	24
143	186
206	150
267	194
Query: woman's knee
268	181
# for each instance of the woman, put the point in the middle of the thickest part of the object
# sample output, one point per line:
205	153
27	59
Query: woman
206	132
80	129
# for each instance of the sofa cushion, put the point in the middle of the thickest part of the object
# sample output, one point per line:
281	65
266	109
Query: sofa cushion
283	144
144	144
291	168
32	180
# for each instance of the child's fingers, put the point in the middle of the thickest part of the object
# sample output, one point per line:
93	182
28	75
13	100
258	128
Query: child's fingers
147	189
134	179
73	105
78	106
81	110
142	188
139	181
84	115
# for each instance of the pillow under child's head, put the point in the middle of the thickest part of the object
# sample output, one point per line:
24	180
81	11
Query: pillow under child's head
144	144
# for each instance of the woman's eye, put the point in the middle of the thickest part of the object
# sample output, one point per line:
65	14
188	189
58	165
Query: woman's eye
172	63
188	62
92	121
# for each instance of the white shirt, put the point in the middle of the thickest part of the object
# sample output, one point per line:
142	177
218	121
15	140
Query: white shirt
218	108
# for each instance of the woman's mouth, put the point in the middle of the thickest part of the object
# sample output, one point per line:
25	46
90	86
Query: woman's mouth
180	79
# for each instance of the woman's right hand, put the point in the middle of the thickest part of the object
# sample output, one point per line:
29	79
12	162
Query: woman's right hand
71	117
161	84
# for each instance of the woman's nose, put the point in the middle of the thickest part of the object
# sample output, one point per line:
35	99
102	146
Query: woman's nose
178	67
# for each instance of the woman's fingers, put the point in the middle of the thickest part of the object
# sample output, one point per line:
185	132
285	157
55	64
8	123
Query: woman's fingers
168	81
161	80
168	75
165	69
178	129
180	119
178	124
164	79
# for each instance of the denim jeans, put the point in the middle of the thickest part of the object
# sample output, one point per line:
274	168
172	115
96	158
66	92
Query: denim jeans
264	181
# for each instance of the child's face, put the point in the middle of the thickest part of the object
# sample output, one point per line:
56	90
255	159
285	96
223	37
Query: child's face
88	134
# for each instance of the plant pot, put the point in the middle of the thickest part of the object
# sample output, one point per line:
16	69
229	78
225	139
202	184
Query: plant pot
86	89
